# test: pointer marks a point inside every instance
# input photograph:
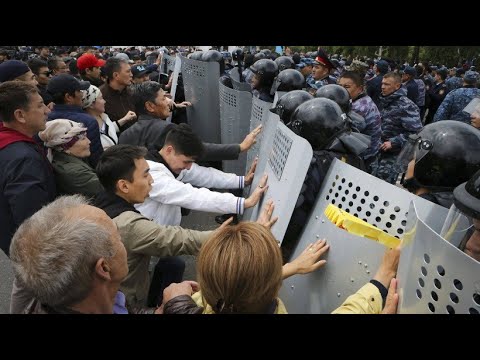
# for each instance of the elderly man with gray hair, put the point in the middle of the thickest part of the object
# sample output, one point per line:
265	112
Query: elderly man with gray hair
70	257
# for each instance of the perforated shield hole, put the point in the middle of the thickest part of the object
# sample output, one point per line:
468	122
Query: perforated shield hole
362	201
431	307
366	193
195	70
330	191
357	188
419	293
458	284
454	297
404	222
343	180
440	270
375	198
426	258
392	217
421	282
347	192
350	203
386	203
328	197
396	209
350	184
372	206
434	295
473	311
368	213
424	271
354	196
228	98
476	299
336	194
400	231
450	309
279	155
339	187
437	283
339	206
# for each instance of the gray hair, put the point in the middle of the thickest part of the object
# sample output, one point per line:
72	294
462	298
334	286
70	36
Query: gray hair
54	252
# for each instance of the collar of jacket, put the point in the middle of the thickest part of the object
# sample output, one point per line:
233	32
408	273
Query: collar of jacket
154	155
9	136
113	204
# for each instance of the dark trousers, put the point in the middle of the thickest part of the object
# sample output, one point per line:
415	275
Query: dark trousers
168	270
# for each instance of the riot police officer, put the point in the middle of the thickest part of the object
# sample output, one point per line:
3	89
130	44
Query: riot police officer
440	157
287	104
288	80
323	124
264	71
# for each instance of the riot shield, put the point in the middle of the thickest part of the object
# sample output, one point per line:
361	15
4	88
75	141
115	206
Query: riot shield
352	260
235	111
259	115
434	276
241	86
285	157
200	81
176	71
167	64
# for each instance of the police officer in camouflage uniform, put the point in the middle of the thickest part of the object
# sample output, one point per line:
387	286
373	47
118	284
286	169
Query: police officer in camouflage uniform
452	106
322	67
455	81
400	118
322	123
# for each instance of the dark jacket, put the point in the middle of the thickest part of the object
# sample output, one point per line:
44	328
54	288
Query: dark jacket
118	104
26	182
150	132
74	176
75	113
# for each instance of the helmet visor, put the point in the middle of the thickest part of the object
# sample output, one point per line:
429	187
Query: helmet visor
457	228
415	149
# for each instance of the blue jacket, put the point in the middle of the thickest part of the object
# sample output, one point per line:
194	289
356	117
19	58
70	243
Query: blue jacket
26	182
365	106
400	118
452	106
75	113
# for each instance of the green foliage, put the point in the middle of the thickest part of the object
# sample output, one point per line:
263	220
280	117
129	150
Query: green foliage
440	55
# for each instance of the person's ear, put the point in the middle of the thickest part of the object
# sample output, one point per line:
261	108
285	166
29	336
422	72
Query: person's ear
122	186
169	150
19	115
149	106
102	269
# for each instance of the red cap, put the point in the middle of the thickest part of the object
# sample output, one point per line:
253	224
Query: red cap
324	62
88	60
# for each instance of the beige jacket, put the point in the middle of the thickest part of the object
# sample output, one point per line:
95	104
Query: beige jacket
142	239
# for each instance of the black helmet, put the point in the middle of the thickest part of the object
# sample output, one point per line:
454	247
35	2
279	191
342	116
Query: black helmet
197	55
237	54
227	81
287	104
284	62
288	80
267	52
319	121
466	196
259	56
336	93
215	56
265	68
446	153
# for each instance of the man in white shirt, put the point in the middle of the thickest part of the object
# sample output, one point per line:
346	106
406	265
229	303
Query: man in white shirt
174	171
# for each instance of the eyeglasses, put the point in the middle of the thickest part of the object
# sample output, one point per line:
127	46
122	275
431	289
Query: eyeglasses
46	73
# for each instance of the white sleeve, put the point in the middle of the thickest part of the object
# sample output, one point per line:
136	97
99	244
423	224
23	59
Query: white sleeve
170	191
210	177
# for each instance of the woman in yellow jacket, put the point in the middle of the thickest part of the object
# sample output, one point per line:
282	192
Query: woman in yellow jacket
240	271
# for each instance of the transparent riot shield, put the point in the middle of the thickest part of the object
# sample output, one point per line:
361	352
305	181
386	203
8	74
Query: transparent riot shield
352	260
167	64
200	81
434	276
285	157
235	111
259	115
176	71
